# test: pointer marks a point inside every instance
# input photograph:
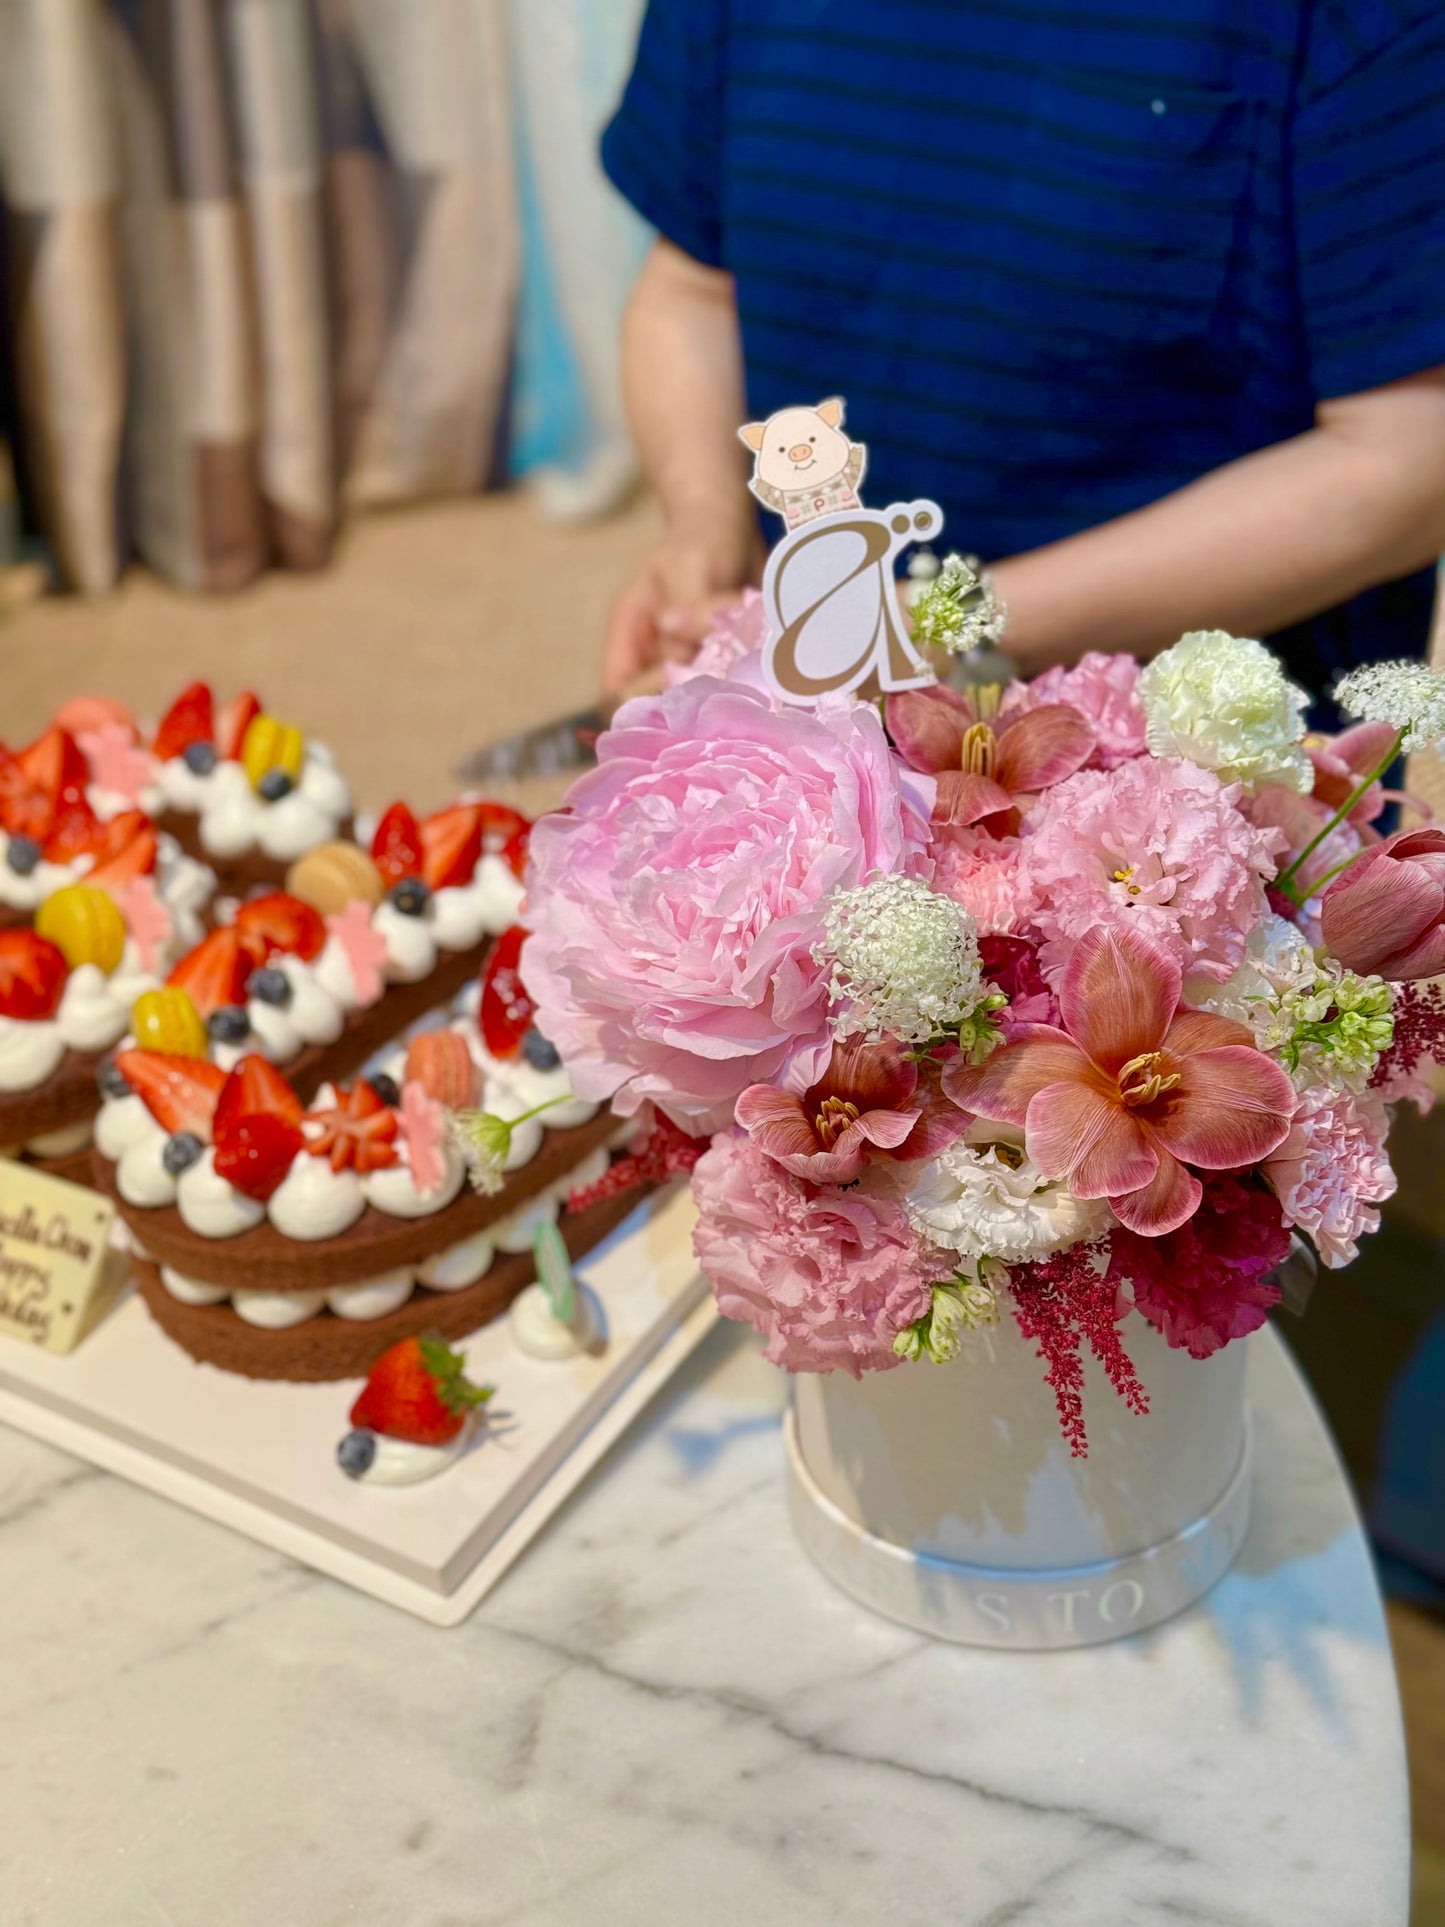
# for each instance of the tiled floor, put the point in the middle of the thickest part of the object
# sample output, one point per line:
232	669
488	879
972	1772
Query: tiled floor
440	628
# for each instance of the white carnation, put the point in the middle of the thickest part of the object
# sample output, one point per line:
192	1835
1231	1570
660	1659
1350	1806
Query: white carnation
1409	696
993	1201
1224	703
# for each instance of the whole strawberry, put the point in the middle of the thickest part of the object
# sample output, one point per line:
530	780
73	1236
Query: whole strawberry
418	1391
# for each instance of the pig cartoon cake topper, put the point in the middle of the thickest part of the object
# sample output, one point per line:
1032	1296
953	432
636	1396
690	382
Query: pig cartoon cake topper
804	465
828	589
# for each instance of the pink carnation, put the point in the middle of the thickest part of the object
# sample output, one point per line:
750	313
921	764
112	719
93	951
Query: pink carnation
982	873
1204	1284
1105	689
1156	845
828	1277
1332	1168
737	632
675	903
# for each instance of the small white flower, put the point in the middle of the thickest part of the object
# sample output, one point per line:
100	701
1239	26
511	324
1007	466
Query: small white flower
962	1308
992	1201
1224	703
958	609
484	1140
904	961
1406	695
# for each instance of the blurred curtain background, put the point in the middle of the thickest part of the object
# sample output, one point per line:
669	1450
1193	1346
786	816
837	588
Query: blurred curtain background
269	262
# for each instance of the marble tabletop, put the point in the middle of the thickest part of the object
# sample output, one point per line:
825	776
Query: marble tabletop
664	1715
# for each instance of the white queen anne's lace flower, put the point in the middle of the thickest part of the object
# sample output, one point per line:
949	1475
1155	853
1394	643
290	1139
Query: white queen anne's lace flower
993	1201
904	961
1224	702
1406	695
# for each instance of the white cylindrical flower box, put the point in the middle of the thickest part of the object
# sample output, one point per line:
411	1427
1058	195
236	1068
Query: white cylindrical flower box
944	1496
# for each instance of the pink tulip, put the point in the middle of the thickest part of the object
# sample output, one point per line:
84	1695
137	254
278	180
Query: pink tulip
1386	914
869	1103
1341	764
985	766
1132	1088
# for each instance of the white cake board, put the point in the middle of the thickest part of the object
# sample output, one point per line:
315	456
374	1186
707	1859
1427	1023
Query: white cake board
261	1457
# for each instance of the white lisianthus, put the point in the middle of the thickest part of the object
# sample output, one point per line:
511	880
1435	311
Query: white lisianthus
1406	695
903	961
992	1200
1224	703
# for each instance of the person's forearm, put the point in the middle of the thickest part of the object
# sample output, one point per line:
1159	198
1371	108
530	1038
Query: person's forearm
682	375
1253	547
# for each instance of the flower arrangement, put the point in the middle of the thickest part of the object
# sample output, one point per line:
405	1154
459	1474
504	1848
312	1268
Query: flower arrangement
1052	1002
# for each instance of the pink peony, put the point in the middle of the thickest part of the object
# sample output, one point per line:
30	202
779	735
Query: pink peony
1105	689
828	1278
982	873
675	904
1332	1168
1155	845
1205	1284
737	632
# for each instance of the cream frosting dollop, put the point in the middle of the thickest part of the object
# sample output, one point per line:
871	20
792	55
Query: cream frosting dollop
211	1206
312	1201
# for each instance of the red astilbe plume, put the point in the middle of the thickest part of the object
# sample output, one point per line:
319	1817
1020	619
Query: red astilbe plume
664	1153
1419	1041
1061	1303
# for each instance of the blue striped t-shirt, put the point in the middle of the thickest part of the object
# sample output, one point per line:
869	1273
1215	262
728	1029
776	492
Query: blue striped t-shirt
1061	259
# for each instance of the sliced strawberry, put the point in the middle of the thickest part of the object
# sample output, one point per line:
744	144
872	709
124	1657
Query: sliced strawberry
514	850
118	832
397	849
418	1390
215	972
33	971
24	811
190	719
179	1092
506	1009
137	858
55	765
279	921
500	822
257	1154
233	719
359	1131
75	829
451	843
255	1089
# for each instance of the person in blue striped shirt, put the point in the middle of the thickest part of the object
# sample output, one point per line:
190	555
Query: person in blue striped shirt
1149	296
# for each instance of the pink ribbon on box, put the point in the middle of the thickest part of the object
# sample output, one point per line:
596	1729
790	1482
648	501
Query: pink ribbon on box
146	917
364	946
423	1128
117	762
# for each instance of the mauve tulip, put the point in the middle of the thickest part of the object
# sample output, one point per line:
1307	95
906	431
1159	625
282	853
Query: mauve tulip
1386	915
870	1102
985	765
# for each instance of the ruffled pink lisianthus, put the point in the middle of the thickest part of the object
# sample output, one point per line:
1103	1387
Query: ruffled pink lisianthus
1203	1285
1332	1169
1157	846
1105	690
675	904
982	873
870	1103
828	1278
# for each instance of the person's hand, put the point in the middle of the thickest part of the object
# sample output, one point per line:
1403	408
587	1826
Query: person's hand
667	608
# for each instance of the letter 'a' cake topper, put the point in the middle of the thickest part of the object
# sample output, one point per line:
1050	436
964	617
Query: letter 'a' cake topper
828	589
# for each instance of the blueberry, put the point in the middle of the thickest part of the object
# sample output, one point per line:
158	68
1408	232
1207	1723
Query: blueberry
22	855
229	1024
411	896
355	1453
385	1088
539	1053
199	758
111	1080
274	785
270	986
181	1152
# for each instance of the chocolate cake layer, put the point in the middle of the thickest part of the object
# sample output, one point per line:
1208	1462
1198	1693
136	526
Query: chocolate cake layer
68	1096
264	1259
327	1347
236	876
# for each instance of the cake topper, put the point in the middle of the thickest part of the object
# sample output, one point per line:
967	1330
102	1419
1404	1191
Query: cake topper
829	591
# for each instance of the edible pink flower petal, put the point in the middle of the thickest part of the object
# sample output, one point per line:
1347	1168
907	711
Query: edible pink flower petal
1117	996
363	946
1169	1200
423	1129
146	917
